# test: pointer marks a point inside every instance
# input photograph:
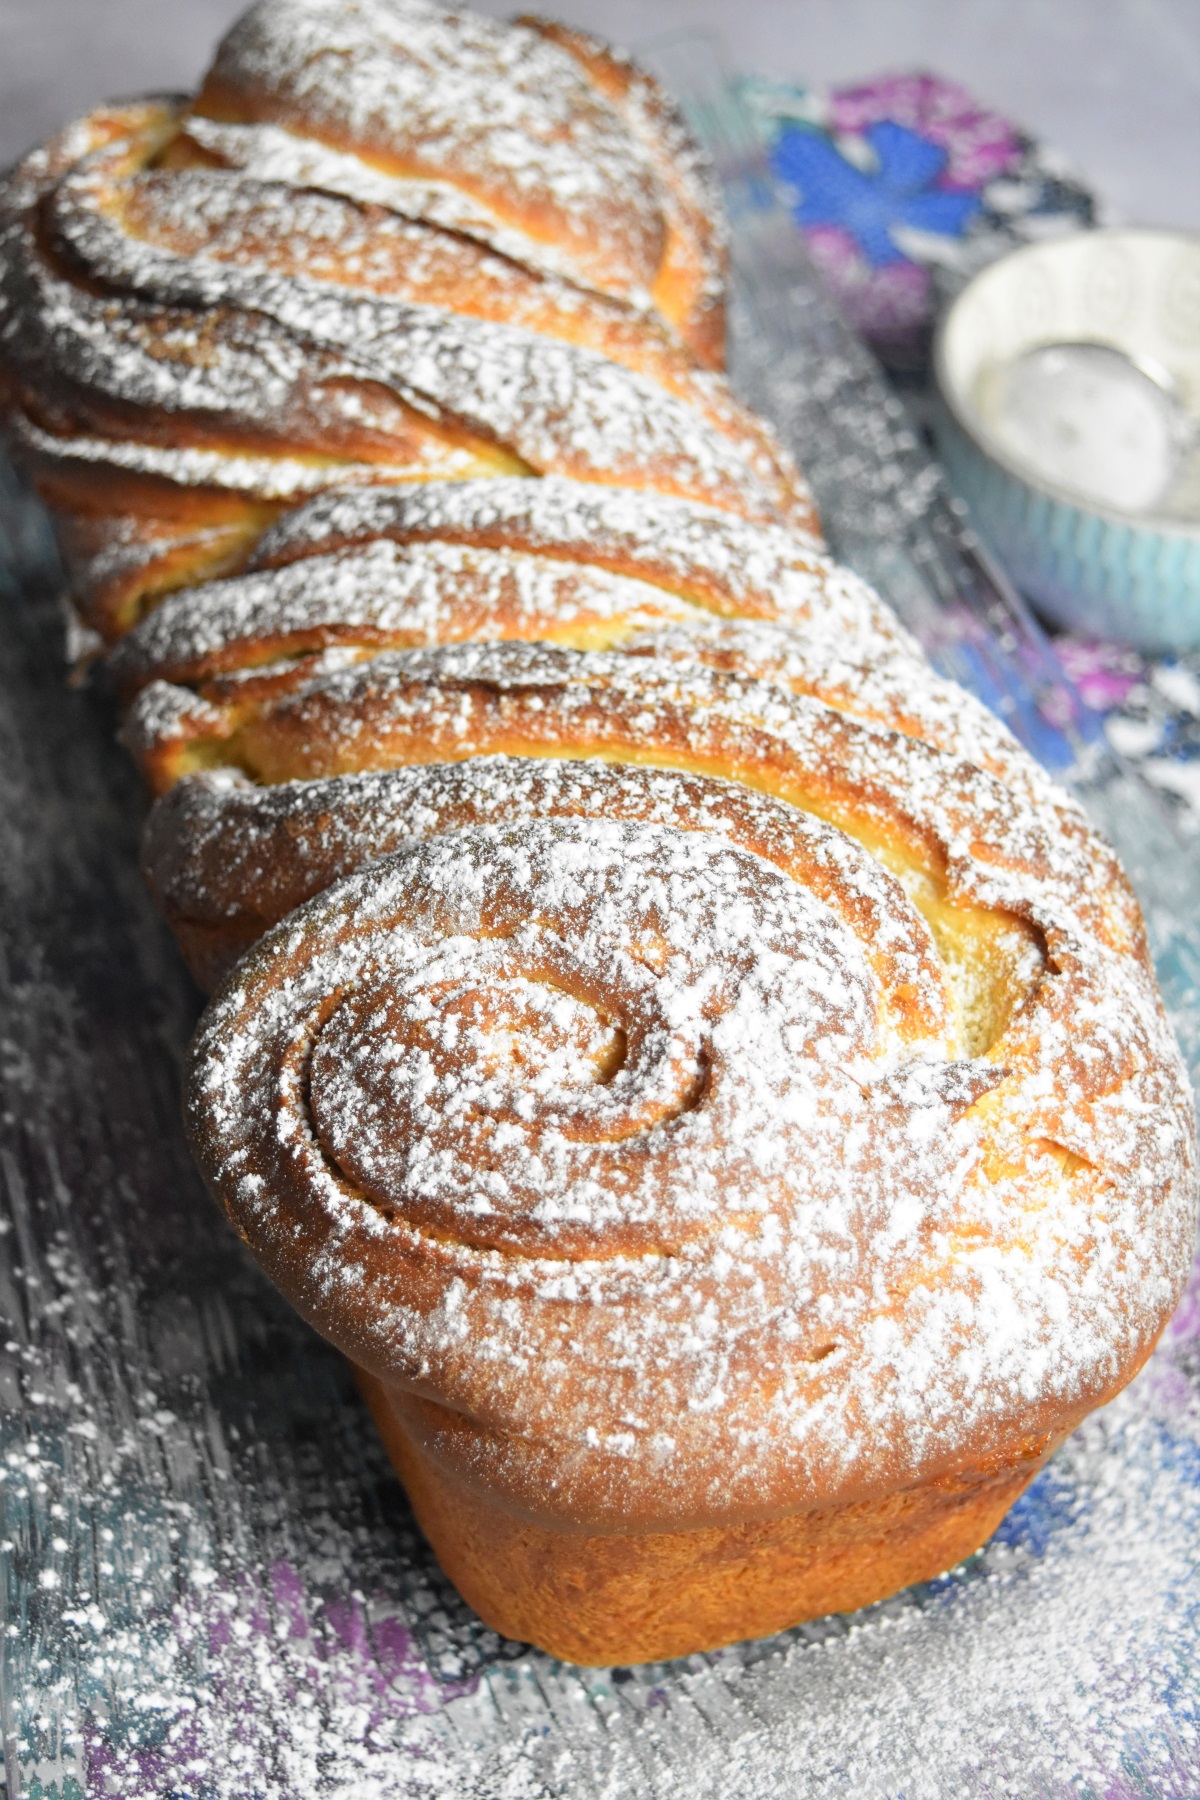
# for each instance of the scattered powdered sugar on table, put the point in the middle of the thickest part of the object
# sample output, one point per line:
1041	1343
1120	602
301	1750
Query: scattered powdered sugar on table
1056	1664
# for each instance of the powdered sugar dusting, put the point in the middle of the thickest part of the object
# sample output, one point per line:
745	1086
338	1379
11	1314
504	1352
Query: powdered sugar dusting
424	594
503	558
693	549
226	856
269	153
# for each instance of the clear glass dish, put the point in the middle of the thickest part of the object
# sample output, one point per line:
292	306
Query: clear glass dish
212	1589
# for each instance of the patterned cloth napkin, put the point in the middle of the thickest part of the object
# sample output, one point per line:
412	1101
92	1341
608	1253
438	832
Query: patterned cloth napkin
1151	715
904	186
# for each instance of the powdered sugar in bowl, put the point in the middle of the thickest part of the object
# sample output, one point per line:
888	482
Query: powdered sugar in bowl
1070	379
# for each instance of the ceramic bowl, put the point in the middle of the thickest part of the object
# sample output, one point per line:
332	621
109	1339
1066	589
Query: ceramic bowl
1091	568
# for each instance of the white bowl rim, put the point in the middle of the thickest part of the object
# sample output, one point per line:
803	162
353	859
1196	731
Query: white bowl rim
1150	524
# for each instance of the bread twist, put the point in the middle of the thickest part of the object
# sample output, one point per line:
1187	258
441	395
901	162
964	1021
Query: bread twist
685	1053
383	243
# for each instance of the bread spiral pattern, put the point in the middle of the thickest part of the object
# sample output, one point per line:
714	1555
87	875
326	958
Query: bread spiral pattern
704	1074
665	1185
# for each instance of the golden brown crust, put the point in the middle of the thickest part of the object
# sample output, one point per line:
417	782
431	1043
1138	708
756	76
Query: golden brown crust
512	1122
689	288
648	1597
454	98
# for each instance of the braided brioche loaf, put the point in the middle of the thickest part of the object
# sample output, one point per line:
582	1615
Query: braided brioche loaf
695	1064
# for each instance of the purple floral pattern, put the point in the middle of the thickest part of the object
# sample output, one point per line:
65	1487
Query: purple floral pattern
978	144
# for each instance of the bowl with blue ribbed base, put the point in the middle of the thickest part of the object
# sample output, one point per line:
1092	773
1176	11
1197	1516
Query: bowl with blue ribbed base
1092	568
